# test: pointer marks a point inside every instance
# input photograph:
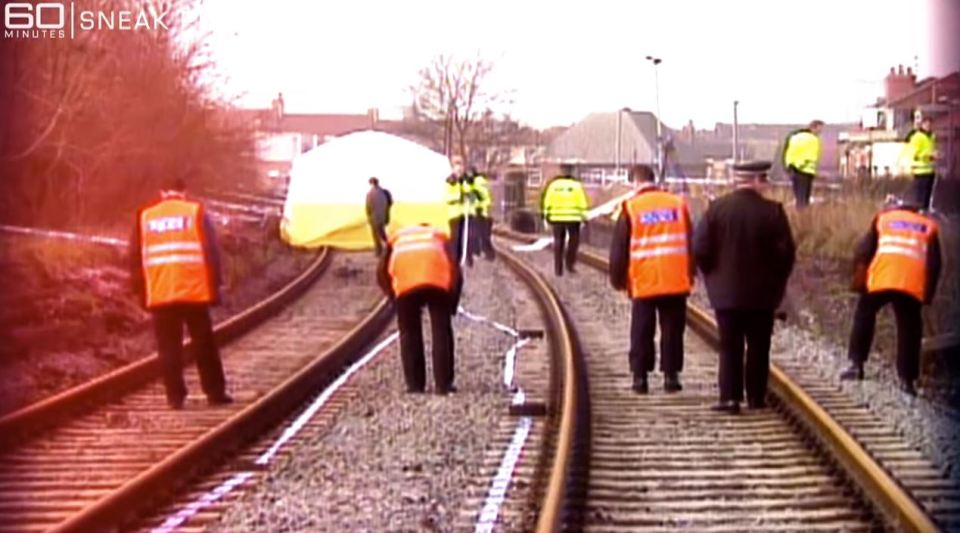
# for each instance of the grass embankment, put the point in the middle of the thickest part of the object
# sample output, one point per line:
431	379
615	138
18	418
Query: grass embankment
67	312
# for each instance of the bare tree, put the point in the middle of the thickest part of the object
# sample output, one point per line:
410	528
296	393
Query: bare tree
102	120
453	94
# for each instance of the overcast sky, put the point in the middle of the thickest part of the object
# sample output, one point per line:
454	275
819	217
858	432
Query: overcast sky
784	61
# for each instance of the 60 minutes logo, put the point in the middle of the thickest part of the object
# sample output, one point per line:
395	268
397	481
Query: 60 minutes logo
48	20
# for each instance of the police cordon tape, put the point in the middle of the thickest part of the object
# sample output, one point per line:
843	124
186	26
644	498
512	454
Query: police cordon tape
487	518
238	479
55	234
497	490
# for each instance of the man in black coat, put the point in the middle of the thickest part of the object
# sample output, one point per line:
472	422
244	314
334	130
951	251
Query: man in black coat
745	250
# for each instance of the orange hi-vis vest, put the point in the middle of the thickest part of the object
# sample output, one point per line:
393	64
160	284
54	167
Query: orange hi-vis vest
419	259
900	262
659	257
174	265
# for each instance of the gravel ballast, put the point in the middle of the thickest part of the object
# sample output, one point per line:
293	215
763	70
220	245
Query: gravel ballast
396	461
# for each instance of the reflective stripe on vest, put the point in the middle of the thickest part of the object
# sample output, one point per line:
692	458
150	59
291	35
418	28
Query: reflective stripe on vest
419	259
659	253
900	262
174	266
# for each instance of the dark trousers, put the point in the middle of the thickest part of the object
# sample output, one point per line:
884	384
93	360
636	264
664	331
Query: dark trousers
474	237
561	232
485	235
673	320
409	308
923	189
168	322
456	238
802	187
739	326
906	308
379	231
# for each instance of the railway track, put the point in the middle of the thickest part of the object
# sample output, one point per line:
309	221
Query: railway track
97	456
623	462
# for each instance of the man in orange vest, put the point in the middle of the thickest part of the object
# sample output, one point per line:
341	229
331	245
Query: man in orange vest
897	262
175	268
417	271
651	258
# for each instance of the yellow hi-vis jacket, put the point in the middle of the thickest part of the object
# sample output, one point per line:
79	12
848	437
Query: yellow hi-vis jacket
565	200
481	189
454	199
468	196
802	152
922	147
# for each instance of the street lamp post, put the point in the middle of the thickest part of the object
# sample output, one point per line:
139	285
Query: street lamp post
656	85
736	133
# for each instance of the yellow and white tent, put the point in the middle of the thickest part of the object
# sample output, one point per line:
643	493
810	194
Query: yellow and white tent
326	199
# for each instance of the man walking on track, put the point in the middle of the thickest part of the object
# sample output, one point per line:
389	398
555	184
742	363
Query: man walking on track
175	268
418	271
564	205
745	250
801	157
651	258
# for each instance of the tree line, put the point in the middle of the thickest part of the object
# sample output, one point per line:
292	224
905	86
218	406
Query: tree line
91	127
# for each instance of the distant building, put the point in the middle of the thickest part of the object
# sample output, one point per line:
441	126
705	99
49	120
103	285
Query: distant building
875	148
281	136
604	145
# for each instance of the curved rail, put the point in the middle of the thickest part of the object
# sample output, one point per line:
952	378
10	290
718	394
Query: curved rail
135	495
572	398
15	426
883	491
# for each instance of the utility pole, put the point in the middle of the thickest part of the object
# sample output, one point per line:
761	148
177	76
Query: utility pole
619	137
736	134
656	87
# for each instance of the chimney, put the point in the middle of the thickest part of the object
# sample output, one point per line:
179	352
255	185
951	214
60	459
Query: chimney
899	83
277	107
374	115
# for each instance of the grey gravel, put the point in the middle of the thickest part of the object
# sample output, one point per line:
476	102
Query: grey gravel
395	461
931	427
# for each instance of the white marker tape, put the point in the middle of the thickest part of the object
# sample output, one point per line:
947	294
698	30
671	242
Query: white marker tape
540	244
510	362
194	507
64	235
501	482
484	320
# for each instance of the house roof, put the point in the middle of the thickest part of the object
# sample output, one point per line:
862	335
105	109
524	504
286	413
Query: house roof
593	140
926	91
323	125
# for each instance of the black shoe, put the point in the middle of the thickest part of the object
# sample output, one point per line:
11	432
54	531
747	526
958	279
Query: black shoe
908	388
571	270
223	399
671	383
558	272
757	404
447	390
726	406
640	384
414	390
855	372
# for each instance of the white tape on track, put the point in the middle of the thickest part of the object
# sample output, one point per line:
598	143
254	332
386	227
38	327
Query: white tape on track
204	501
55	234
500	484
487	518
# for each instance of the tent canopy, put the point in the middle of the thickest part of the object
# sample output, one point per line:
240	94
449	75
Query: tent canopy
326	199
